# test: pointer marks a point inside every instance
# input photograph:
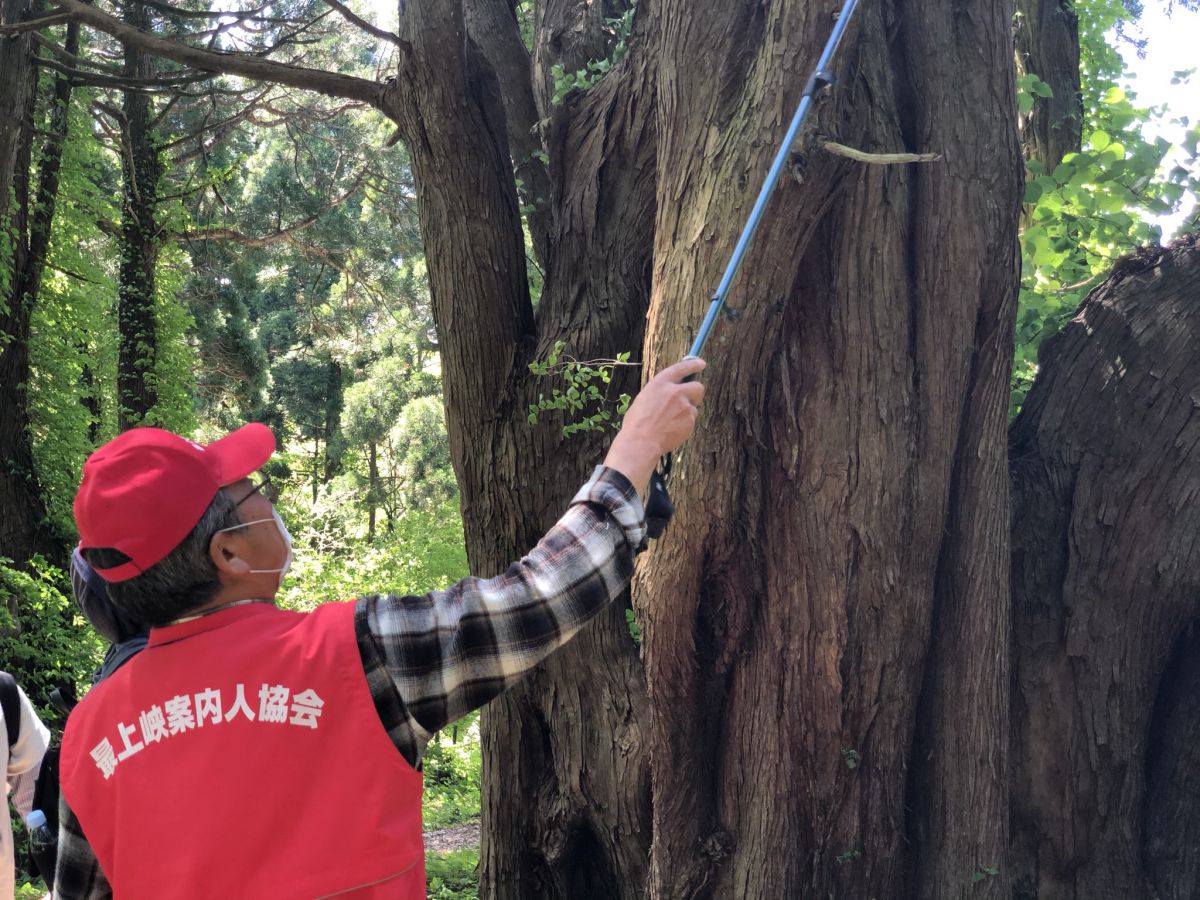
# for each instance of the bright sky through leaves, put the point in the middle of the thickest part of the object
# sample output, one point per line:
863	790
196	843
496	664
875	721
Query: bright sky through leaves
1172	44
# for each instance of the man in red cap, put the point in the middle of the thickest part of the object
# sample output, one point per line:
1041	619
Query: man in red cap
250	751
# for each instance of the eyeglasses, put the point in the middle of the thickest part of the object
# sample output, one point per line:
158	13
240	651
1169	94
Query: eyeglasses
263	486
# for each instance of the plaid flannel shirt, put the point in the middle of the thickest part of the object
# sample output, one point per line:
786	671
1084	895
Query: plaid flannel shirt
430	660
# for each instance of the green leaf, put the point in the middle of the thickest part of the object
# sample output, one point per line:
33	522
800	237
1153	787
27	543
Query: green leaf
1099	139
1113	96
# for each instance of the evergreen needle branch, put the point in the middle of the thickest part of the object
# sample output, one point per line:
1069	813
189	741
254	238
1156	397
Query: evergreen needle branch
244	64
74	61
175	12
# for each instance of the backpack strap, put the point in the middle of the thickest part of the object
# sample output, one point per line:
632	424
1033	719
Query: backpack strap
10	702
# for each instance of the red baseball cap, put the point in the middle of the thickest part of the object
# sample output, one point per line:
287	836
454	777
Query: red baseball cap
144	491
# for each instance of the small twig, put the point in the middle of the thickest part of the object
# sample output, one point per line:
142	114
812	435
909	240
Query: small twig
569	361
879	159
1071	287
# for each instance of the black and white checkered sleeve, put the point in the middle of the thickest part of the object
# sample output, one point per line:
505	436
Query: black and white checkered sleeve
430	660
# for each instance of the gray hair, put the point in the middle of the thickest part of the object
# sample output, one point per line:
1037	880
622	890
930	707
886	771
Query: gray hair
181	581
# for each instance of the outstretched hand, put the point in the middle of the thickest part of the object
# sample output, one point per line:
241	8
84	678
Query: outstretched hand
660	418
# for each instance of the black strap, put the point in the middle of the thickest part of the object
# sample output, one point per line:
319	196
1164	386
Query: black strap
46	789
10	701
659	507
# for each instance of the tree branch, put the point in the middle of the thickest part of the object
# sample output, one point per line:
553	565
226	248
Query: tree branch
169	10
246	65
33	24
146	85
369	28
283	234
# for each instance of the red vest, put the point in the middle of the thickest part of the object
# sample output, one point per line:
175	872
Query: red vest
240	755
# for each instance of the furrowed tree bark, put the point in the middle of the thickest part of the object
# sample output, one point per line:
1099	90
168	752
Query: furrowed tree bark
25	223
140	238
1171	844
839	535
1047	45
1106	579
492	24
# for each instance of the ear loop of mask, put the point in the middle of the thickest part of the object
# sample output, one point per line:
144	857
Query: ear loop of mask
283	533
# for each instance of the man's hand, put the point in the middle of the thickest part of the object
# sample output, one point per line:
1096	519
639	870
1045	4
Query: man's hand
661	418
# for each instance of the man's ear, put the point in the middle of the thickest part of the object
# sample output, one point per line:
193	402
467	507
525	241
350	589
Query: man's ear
225	550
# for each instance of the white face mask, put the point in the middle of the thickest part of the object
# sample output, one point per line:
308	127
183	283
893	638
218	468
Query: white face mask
283	533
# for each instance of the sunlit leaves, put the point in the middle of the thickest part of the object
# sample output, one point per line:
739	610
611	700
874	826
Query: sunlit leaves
1097	205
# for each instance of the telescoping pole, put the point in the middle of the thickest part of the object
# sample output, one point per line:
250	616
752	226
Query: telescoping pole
659	507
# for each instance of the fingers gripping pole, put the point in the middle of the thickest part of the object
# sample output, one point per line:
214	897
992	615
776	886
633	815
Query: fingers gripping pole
659	507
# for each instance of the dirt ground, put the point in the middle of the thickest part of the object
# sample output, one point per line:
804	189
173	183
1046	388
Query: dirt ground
457	837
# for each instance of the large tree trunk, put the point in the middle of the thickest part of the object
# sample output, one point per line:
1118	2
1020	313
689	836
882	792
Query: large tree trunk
839	550
140	238
567	743
25	223
1105	458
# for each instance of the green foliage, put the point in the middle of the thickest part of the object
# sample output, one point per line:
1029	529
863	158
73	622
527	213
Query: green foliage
1097	204
984	872
45	642
635	630
1029	88
424	477
523	9
617	31
73	349
586	393
175	356
425	552
453	876
851	757
451	765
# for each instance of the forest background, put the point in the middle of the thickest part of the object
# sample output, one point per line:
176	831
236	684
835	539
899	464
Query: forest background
219	250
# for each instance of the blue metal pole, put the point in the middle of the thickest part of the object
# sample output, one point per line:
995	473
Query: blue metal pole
659	507
819	79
